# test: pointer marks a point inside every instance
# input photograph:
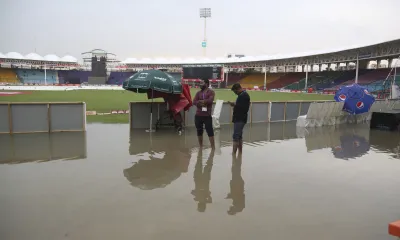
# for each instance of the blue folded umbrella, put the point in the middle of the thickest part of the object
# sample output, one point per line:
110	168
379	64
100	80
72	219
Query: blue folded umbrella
356	98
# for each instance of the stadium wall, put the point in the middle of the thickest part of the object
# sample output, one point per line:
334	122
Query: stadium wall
42	117
260	112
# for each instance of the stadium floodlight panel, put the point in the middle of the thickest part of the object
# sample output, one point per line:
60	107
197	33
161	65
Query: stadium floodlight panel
205	12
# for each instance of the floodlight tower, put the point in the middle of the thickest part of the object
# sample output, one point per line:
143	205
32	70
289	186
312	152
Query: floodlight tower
205	13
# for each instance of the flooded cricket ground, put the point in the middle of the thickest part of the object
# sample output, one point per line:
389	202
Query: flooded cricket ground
110	183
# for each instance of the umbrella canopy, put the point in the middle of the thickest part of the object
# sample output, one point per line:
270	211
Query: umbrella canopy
155	80
356	98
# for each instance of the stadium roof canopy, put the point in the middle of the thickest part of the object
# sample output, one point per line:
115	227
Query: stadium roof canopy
37	57
372	51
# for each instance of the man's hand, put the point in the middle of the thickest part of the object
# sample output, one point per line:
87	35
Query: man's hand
201	103
231	103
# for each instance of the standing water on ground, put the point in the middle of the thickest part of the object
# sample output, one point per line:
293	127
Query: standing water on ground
110	183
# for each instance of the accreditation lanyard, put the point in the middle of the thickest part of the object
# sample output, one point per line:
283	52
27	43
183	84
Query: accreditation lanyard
203	94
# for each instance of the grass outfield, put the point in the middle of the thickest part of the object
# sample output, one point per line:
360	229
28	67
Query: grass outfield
104	101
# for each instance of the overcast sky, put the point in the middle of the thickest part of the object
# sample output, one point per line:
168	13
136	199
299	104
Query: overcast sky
173	28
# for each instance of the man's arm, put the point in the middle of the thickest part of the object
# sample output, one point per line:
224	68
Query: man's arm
210	98
196	99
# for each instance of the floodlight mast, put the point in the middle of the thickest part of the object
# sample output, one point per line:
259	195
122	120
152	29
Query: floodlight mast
205	13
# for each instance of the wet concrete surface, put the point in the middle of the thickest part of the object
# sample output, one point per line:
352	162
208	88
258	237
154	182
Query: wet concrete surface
109	183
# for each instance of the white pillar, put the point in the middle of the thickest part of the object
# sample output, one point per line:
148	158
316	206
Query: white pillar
357	63
265	77
45	75
227	74
305	86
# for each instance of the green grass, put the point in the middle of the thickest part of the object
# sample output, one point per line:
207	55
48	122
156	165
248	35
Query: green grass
104	101
112	118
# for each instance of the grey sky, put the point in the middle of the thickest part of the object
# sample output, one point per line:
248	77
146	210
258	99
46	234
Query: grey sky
172	28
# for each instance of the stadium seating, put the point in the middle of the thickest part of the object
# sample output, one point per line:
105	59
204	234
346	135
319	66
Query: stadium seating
327	79
376	86
234	77
285	80
381	84
257	79
315	80
117	78
7	75
73	76
343	77
37	76
369	76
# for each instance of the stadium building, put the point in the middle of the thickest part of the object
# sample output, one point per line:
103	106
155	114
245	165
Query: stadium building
324	71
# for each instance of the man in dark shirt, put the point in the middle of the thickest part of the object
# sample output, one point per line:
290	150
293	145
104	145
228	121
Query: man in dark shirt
203	101
239	119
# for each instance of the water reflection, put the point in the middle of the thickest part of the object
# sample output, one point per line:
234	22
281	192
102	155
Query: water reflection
159	170
202	178
385	141
351	141
162	159
142	142
42	147
346	141
351	146
276	182
236	187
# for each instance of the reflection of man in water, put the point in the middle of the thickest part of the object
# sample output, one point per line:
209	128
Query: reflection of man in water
202	178
237	187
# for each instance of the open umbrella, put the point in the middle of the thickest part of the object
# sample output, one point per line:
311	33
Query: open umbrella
356	98
155	80
149	81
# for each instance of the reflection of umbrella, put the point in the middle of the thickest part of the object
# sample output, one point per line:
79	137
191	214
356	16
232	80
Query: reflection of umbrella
158	172
356	99
351	146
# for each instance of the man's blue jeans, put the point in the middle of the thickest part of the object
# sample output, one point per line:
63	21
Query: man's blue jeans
238	131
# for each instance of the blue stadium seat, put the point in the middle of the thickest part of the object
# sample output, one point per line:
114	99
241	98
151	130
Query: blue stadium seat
37	76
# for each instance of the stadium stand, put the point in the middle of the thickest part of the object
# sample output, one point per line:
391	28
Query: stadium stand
347	75
376	86
369	76
233	77
285	80
7	75
117	78
37	76
326	79
314	79
257	79
73	76
382	84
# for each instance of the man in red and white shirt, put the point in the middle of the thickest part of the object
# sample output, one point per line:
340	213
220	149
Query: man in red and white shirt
203	101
